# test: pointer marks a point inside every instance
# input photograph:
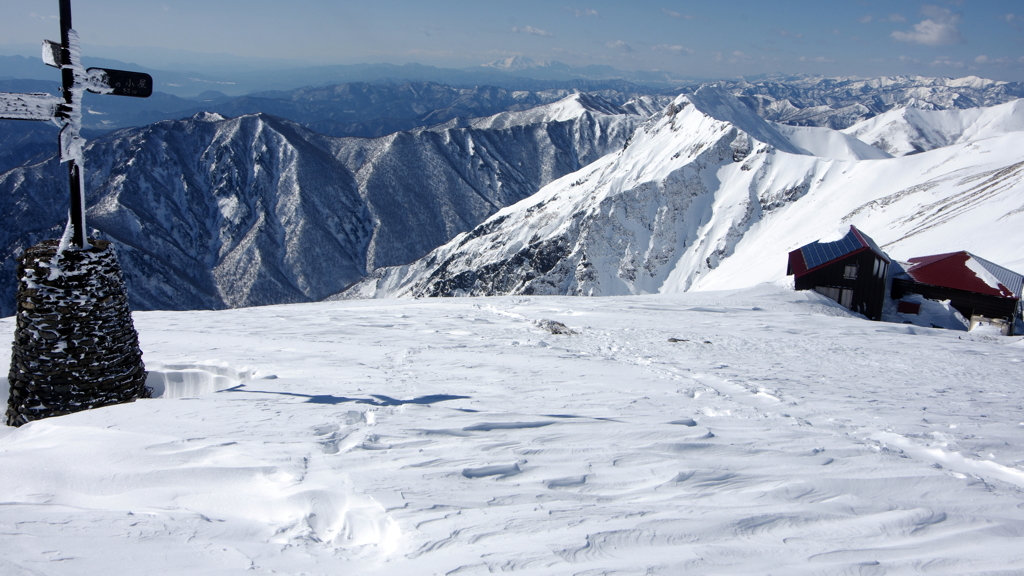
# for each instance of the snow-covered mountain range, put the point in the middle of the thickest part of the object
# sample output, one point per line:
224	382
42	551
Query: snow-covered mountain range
654	194
355	109
371	110
841	102
906	131
211	212
709	195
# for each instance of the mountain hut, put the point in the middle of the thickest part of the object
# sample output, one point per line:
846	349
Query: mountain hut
980	290
850	271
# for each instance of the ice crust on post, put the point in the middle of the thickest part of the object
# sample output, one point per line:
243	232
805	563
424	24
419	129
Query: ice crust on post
71	142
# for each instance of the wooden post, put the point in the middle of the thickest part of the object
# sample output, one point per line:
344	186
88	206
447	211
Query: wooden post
70	133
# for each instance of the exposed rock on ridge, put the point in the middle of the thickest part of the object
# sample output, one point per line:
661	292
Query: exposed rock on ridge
708	195
212	212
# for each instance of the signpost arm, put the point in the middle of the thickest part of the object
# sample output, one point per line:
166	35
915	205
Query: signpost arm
75	80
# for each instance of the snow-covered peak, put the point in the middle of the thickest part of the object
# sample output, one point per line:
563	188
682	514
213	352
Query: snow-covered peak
633	200
973	82
911	130
569	108
721	105
706	195
208	117
827	143
513	63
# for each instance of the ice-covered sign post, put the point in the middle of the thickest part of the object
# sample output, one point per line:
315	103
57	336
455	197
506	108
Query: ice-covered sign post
75	346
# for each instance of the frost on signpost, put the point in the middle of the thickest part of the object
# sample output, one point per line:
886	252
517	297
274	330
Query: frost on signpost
75	346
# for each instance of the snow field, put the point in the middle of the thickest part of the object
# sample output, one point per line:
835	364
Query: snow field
774	433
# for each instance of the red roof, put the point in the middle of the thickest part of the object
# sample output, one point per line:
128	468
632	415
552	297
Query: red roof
965	271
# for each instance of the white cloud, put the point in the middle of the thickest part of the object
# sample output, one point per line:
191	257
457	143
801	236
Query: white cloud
619	45
419	52
947	62
739	56
984	60
939	29
531	30
1013	20
582	12
674	14
673	48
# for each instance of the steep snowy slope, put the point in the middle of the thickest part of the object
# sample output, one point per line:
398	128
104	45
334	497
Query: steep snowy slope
424	187
828	143
911	130
697	201
212	212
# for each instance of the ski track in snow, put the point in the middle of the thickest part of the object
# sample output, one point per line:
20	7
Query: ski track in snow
773	434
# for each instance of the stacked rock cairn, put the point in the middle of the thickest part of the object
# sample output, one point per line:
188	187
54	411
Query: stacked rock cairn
75	346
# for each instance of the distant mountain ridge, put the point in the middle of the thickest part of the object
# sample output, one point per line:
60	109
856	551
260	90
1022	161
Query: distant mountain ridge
838	103
371	110
211	212
358	109
214	212
247	80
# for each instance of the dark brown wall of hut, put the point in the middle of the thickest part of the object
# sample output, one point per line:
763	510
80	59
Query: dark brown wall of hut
868	288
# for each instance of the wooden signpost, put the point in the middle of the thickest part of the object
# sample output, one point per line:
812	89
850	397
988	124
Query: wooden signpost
75	345
68	111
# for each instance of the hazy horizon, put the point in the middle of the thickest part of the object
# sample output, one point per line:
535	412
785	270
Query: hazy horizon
858	38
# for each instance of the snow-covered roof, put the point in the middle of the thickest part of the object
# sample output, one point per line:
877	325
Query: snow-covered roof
817	254
965	271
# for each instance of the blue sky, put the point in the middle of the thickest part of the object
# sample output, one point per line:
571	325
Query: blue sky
702	39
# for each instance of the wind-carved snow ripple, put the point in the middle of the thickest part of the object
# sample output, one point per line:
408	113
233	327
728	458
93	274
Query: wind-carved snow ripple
202	487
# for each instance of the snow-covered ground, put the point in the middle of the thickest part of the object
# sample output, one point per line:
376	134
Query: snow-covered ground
760	431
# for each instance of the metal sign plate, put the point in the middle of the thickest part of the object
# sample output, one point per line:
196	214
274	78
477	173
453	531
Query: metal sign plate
122	83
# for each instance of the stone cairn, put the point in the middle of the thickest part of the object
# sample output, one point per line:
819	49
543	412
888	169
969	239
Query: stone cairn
75	346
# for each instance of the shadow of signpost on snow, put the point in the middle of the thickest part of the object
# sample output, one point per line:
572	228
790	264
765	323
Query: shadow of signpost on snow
375	400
